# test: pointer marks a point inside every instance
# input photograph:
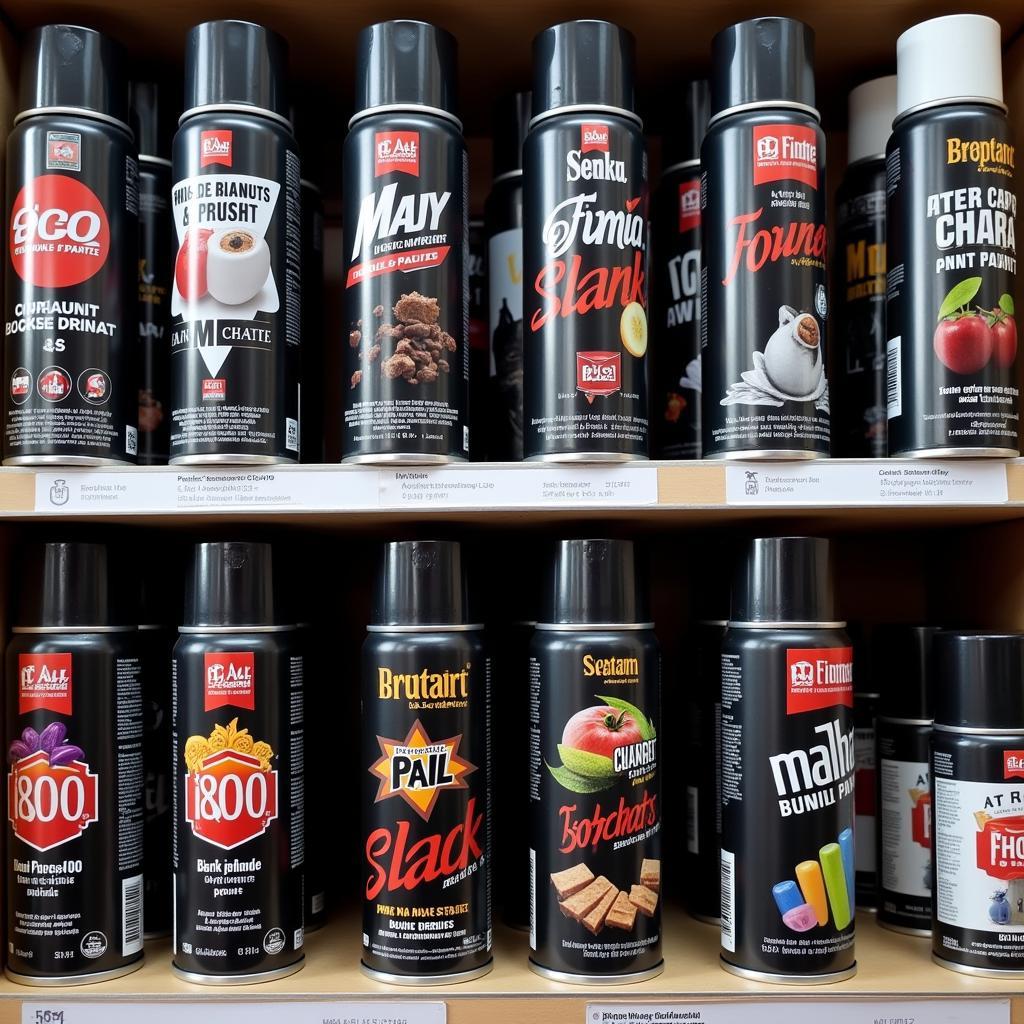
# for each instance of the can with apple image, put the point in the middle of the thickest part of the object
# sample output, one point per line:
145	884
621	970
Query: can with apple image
764	295
595	785
585	225
952	378
236	297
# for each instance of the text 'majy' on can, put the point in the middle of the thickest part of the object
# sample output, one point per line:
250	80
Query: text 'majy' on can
71	274
585	250
787	770
952	378
764	297
595	787
858	356
236	299
74	893
237	761
866	696
675	299
406	375
904	732
978	804
426	786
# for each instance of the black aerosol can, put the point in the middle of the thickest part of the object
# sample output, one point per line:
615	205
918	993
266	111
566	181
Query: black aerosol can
858	370
156	270
503	224
952	377
904	731
675	388
866	698
313	361
595	788
787	770
406	345
237	758
237	274
426	785
74	776
70	281
585	250
978	804
764	275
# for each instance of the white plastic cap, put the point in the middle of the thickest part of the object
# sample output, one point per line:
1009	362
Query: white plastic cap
871	112
948	58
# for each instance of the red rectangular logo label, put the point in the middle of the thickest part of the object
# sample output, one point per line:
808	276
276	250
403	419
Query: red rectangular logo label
1000	848
921	821
215	389
785	152
215	147
818	678
598	373
595	138
230	678
396	151
1013	764
44	683
689	205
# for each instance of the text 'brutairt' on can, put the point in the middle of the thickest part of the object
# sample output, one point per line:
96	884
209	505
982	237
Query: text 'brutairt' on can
595	787
237	274
70	278
74	777
787	770
952	381
426	785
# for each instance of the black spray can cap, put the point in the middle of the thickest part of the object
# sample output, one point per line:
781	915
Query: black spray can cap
71	585
594	582
784	580
979	681
901	667
151	120
681	144
406	64
589	64
510	123
421	583
231	584
762	62
73	68
236	63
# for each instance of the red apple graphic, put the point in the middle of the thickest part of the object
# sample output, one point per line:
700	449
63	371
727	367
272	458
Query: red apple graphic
964	343
190	266
1004	333
601	730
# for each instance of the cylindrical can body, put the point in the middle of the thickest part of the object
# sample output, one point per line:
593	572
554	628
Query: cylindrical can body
865	712
155	273
905	825
595	795
69	294
764	294
858	361
75	814
406	368
585	288
952	369
313	392
237	761
676	386
236	300
318	742
788	761
426	805
479	349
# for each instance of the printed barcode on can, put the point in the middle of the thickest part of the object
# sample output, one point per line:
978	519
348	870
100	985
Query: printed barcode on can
291	434
893	379
465	438
728	902
692	840
131	915
533	899
131	441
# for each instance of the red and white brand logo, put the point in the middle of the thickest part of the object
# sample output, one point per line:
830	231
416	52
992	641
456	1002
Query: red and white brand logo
54	384
63	151
595	138
230	800
598	373
689	205
396	151
215	147
921	821
1000	848
21	383
230	679
50	804
44	683
59	232
215	389
785	152
1013	764
818	678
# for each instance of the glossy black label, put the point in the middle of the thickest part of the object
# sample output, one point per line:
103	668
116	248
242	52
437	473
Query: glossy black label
157	646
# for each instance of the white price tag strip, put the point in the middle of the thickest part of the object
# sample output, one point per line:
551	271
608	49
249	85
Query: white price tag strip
805	1011
266	1012
882	483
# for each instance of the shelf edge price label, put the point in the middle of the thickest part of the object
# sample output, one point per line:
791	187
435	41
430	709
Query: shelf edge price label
270	1011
